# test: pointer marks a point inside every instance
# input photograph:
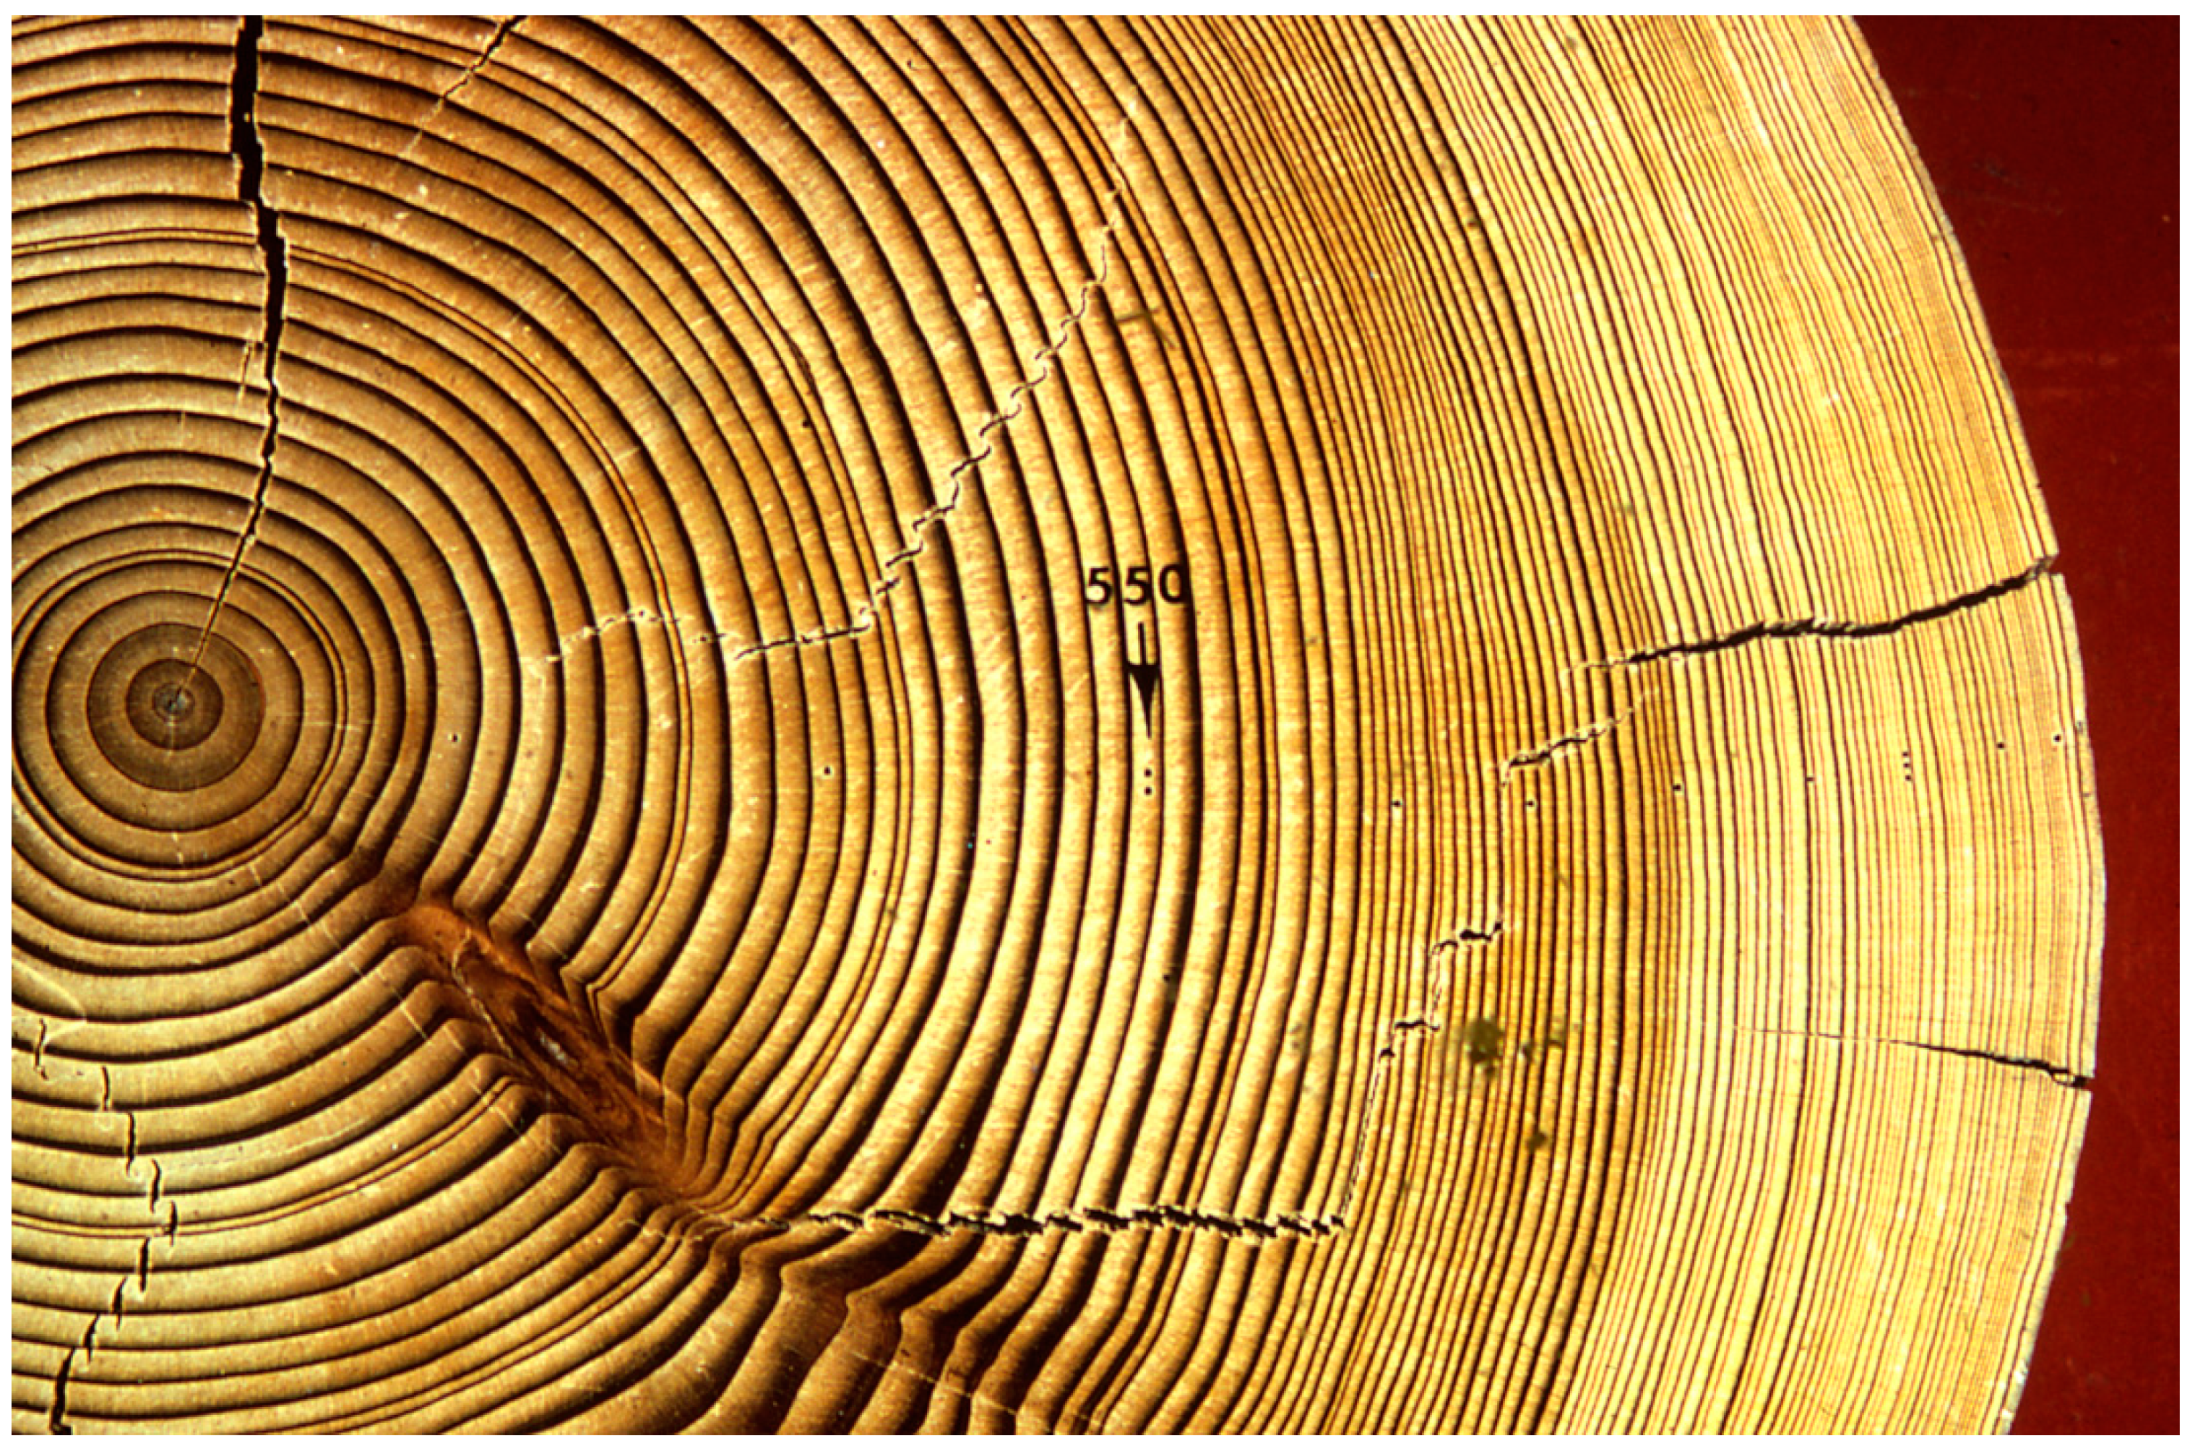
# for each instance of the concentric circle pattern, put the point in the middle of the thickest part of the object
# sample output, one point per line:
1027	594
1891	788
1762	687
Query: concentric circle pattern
981	725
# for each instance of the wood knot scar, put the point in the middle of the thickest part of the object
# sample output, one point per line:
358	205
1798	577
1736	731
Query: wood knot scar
532	1020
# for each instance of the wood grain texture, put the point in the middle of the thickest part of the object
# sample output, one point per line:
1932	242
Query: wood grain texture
605	839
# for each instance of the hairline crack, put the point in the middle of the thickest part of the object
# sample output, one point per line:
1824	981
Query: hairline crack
865	615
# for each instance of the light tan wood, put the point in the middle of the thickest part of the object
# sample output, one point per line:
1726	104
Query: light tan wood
1104	725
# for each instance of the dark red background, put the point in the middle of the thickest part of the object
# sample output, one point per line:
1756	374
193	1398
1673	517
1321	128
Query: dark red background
2054	145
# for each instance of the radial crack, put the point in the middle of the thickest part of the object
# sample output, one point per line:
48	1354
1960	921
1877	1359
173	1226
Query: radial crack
246	143
1833	629
2057	1071
864	615
60	1407
1089	1220
1541	754
1435	1017
54	1413
637	618
1466	935
504	25
1095	1220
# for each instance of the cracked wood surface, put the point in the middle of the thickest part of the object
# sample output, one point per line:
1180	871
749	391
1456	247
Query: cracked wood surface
586	862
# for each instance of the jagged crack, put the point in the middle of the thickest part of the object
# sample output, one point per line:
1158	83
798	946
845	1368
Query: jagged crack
889	574
55	1424
1089	1220
504	25
1546	751
250	150
1096	1220
2057	1071
1835	629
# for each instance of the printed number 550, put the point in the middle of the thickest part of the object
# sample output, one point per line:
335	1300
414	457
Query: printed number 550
1135	586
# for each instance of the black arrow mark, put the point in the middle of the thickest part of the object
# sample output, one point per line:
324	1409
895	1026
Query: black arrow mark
1144	673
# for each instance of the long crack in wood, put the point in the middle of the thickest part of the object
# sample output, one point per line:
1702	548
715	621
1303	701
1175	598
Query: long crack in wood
1089	1220
1093	1220
893	570
1833	629
249	148
2058	1072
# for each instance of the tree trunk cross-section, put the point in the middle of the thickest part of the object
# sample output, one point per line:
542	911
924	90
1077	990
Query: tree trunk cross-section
1104	725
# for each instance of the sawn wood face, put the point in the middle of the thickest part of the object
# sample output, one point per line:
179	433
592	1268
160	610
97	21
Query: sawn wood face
1184	724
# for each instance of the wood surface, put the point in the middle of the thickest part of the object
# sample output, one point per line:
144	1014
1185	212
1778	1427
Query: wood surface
1103	725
